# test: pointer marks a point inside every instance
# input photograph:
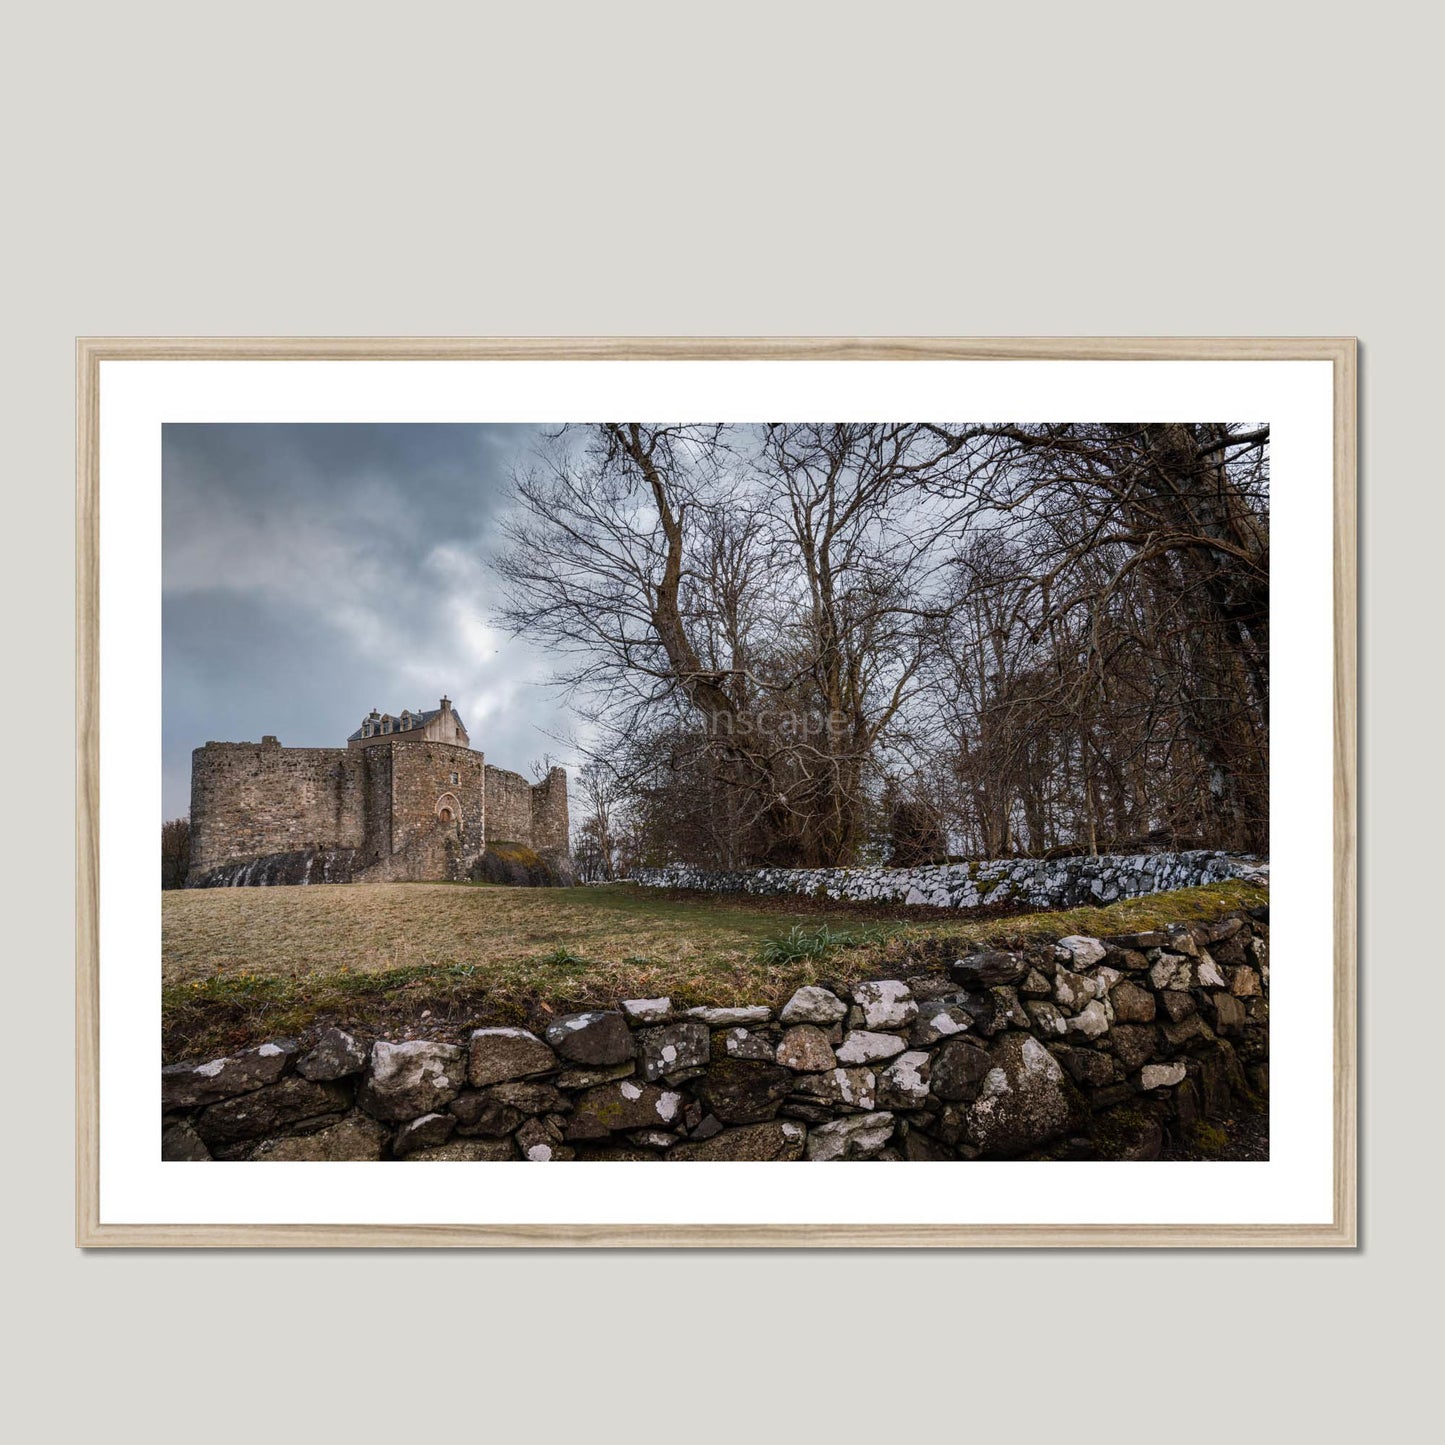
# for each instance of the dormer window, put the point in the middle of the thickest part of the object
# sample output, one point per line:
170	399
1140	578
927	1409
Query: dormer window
382	724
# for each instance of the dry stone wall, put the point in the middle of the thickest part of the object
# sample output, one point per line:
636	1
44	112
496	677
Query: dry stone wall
1051	883
1087	1048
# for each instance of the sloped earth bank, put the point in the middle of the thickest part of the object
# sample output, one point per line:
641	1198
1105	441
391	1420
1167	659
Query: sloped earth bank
1133	1047
241	965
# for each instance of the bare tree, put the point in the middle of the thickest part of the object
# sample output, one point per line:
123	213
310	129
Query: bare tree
600	792
175	852
1049	637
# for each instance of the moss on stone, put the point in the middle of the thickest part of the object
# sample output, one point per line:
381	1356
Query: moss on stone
1206	1138
1126	1133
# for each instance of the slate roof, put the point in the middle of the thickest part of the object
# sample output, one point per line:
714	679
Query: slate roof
418	720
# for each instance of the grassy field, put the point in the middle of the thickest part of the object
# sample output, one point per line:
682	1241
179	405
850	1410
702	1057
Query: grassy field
240	964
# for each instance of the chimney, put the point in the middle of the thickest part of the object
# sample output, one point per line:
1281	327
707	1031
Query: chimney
446	704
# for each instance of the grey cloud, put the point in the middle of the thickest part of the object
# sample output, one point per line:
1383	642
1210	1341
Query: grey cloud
312	572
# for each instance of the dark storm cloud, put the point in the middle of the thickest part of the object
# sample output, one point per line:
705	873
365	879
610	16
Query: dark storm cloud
314	572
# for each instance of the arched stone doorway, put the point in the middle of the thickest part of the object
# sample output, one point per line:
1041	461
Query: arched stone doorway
448	810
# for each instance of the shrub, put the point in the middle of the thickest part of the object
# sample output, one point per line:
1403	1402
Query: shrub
516	866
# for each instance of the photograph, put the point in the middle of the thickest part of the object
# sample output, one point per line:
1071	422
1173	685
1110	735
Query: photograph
692	590
816	791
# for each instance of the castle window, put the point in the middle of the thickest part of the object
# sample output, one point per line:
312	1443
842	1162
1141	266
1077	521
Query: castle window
456	778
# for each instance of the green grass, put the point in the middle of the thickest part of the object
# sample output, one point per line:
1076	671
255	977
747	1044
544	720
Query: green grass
820	942
242	964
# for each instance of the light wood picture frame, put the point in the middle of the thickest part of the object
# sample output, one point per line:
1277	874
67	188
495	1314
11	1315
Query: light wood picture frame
93	1231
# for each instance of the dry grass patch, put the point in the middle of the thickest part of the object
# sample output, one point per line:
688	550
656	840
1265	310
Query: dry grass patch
245	963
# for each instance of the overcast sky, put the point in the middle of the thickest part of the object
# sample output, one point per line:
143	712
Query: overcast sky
312	573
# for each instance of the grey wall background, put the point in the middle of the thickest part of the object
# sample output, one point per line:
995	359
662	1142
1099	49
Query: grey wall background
838	169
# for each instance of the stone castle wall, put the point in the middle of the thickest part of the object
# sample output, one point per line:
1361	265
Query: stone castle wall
509	807
551	835
264	814
253	799
421	776
530	813
1117	1048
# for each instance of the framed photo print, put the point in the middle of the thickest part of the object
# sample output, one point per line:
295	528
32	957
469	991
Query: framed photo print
669	760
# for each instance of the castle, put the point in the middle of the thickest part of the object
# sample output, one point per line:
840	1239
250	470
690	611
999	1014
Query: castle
407	799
